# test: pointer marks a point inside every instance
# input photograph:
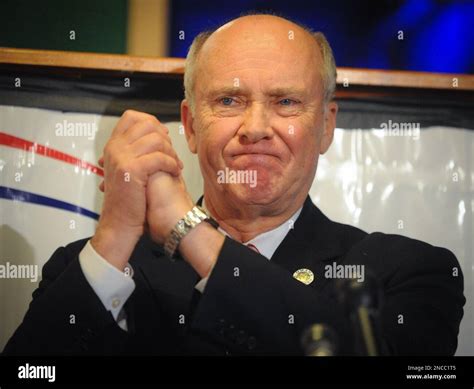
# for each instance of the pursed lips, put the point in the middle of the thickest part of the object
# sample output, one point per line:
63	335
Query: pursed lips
256	153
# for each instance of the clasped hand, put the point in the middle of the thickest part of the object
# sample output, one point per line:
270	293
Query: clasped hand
143	186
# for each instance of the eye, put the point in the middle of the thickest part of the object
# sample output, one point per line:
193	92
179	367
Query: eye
227	100
287	102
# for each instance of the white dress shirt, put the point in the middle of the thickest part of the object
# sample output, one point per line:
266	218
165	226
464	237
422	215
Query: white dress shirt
114	287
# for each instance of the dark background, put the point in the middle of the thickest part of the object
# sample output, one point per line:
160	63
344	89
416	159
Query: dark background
438	35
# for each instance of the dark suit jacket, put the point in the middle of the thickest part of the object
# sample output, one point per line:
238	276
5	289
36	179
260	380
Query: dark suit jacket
250	313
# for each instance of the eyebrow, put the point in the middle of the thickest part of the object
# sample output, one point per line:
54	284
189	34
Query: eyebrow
275	92
286	91
227	90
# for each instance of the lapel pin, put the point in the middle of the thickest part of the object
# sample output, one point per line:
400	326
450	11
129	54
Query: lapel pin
305	276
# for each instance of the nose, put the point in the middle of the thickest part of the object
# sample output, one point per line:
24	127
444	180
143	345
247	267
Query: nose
256	125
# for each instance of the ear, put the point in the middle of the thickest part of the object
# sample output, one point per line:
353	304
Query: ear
187	121
329	126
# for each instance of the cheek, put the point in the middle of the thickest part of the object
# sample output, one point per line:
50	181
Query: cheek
214	135
300	138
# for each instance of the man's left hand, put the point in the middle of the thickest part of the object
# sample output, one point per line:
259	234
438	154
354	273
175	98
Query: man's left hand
167	202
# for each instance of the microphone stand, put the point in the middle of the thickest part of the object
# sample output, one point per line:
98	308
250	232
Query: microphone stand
319	340
362	301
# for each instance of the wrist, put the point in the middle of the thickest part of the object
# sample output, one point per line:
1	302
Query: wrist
162	223
115	245
201	247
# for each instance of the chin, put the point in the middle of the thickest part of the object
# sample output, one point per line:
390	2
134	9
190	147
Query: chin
259	195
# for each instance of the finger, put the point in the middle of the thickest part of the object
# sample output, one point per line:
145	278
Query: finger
102	186
151	143
158	161
101	161
143	128
129	118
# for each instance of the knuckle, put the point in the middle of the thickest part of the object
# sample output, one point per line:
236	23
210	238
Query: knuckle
152	118
158	140
164	128
150	123
155	137
129	113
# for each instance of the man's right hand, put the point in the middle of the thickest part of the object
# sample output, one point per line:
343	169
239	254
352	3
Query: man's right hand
138	148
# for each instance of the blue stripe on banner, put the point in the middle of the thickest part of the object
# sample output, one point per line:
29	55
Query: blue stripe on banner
28	197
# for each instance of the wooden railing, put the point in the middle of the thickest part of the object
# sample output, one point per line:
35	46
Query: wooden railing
347	77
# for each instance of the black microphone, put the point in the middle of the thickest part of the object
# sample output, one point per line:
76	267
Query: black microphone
319	340
362	301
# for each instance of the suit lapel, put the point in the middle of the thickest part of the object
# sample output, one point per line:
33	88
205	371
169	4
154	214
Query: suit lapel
311	244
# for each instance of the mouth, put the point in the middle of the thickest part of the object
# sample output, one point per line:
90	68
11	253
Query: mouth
254	161
255	155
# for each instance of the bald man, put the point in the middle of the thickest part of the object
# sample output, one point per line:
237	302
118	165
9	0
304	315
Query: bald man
255	263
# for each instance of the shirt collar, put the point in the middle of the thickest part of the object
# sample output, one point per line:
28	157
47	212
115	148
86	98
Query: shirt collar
268	242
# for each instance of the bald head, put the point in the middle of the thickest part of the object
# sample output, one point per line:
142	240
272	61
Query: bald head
262	32
263	35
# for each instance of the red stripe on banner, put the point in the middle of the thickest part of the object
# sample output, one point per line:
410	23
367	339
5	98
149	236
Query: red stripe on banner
23	144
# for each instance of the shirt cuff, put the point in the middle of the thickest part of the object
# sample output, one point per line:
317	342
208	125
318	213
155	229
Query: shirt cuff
112	286
201	285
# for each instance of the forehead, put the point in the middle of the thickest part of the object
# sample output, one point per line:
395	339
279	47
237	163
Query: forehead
276	52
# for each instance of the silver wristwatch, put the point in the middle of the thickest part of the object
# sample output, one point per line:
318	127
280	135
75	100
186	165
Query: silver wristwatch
183	226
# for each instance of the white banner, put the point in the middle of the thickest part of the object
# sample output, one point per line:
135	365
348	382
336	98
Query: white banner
419	185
